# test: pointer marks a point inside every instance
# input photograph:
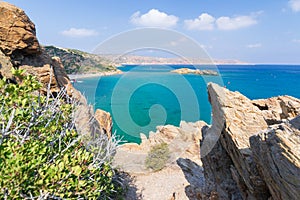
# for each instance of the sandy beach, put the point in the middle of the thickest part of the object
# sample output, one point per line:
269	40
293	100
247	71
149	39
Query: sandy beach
81	76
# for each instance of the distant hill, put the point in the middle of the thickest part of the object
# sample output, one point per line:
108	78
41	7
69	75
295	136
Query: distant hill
79	62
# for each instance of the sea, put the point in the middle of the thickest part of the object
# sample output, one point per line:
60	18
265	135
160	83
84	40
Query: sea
146	96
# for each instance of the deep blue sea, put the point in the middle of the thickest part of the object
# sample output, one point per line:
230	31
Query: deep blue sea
146	96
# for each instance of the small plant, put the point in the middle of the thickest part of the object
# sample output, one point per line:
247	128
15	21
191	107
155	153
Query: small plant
41	154
157	157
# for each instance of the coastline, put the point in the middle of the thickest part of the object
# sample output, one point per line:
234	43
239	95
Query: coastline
82	76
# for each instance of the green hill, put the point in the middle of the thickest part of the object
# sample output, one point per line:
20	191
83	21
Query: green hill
79	62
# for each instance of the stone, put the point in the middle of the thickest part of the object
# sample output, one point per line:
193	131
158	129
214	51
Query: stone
105	121
277	154
235	120
277	109
295	122
17	32
5	66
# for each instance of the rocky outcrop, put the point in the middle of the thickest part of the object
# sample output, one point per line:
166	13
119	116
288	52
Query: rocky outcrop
17	32
105	121
241	157
235	119
277	108
19	48
277	154
195	71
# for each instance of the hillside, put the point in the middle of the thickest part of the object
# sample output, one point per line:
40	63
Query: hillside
79	62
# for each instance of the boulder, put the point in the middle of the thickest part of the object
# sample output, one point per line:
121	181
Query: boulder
17	32
105	121
19	48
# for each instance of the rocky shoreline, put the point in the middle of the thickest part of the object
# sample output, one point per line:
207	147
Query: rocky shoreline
251	151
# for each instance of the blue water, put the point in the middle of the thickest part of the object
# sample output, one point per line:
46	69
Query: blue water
146	96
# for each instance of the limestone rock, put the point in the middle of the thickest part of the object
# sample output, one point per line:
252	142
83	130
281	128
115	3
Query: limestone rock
235	120
17	32
277	109
104	120
277	153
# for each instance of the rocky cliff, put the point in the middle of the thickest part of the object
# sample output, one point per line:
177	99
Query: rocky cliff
19	48
254	151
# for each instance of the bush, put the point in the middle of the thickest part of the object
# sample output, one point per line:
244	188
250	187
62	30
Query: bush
41	154
157	157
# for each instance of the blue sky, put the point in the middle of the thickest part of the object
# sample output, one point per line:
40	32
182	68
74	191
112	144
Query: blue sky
265	31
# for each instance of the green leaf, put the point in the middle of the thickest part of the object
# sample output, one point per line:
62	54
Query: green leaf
76	170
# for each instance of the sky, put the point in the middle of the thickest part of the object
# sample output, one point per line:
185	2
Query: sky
254	31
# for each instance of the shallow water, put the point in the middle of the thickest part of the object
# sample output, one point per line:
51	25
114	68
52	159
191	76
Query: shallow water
146	96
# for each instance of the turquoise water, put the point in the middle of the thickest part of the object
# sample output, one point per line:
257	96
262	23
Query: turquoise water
146	96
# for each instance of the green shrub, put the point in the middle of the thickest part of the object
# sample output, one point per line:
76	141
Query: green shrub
41	154
157	157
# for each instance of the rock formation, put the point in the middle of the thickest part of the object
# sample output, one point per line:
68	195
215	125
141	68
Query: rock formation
244	159
17	32
277	154
105	121
19	48
195	71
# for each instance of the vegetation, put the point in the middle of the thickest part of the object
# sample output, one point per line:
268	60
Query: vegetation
157	157
79	62
42	155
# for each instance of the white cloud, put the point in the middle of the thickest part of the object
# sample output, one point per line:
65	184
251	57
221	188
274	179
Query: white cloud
251	46
227	23
154	18
295	5
208	22
79	32
203	22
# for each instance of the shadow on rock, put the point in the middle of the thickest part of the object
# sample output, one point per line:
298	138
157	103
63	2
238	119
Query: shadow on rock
127	183
194	175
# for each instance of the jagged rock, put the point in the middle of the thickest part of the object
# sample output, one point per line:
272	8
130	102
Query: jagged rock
277	154
19	48
17	32
105	121
277	109
217	171
235	120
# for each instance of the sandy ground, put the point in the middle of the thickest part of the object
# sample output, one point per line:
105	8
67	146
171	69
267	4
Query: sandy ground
81	76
